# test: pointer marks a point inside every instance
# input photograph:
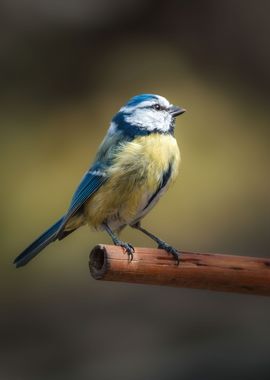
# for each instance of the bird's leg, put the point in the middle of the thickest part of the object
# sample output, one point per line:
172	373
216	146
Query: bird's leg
161	244
128	248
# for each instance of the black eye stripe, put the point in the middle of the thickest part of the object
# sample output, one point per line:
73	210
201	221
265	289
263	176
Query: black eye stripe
154	106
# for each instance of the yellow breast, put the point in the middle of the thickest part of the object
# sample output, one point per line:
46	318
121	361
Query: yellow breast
135	174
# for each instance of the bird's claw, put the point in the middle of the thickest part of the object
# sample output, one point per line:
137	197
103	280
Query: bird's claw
173	251
129	250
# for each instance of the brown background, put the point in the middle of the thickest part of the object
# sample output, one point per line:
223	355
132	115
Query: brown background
65	69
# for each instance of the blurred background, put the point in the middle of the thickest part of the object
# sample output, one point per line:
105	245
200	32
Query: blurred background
65	68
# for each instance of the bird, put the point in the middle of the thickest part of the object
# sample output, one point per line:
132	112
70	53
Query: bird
135	164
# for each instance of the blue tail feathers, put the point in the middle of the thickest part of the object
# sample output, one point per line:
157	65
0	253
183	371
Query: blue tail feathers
41	242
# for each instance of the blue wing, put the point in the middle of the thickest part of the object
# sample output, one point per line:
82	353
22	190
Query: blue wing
89	184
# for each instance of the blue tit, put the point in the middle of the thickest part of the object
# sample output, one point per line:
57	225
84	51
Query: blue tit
135	164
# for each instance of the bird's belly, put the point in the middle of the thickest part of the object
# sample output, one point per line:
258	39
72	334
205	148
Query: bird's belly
135	176
116	204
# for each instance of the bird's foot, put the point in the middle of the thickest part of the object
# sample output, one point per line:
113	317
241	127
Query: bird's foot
173	251
128	249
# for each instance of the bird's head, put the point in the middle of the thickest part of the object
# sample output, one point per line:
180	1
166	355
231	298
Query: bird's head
146	113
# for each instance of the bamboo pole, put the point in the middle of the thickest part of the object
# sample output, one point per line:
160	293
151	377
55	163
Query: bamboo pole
238	274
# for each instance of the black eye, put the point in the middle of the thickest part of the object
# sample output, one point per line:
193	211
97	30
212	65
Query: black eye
157	107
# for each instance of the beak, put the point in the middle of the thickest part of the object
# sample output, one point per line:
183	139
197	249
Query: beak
176	111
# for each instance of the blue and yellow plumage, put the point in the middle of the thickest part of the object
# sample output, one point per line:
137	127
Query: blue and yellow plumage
136	162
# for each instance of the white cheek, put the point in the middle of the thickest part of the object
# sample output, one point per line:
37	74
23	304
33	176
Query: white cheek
168	121
150	120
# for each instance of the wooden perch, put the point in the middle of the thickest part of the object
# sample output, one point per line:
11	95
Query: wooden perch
238	274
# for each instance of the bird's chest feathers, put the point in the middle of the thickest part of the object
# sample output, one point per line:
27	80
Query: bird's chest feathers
154	154
143	161
136	173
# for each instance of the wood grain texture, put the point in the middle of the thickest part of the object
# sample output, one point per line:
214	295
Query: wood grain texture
238	274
